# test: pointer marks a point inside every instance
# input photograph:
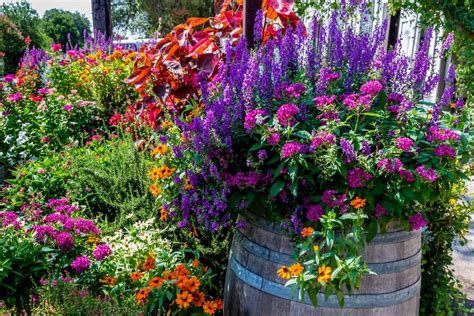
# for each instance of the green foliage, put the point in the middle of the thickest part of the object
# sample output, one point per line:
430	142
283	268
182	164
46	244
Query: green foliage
11	44
127	17
111	179
65	27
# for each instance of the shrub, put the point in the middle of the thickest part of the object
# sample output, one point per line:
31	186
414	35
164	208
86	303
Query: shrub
11	44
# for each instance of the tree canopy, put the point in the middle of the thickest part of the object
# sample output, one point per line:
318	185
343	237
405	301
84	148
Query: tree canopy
65	27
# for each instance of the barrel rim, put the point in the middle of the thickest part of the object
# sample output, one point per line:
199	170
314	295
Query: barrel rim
351	301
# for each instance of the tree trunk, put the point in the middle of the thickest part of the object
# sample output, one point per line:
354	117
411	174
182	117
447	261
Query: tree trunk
101	17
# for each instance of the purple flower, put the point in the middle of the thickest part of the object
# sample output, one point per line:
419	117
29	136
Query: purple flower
291	148
371	87
273	139
417	221
68	107
101	252
81	264
447	43
348	150
429	175
322	138
286	113
295	90
43	231
314	213
441	134
331	199
241	224
262	154
9	218
406	175
45	139
380	211
390	165
357	178
85	226
405	143
365	148
253	117
64	241
324	100
445	150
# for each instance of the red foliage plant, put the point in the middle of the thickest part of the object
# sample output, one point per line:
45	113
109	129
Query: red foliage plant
168	73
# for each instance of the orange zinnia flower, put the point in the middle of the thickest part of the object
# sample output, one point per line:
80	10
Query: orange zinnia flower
163	214
108	280
136	276
182	283
324	274
193	284
198	299
184	299
181	269
220	303
195	263
168	276
284	272
149	264
142	294
209	307
296	269
154	189
358	203
155	283
307	231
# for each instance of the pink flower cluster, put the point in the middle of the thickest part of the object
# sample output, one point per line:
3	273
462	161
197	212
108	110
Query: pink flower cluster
324	100
101	252
81	264
445	150
354	101
390	165
251	118
295	90
405	143
441	134
247	179
417	221
286	113
371	87
429	175
322	138
9	218
357	178
290	149
380	211
273	139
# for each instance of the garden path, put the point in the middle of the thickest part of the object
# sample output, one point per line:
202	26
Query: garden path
464	255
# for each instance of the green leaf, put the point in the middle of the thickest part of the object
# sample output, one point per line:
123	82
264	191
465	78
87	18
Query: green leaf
256	147
276	188
313	296
372	114
372	230
382	98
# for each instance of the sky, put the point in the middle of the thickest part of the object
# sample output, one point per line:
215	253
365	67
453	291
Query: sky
82	6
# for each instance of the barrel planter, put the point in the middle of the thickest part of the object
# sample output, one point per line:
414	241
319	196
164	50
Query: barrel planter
253	287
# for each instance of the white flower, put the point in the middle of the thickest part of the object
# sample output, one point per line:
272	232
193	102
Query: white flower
8	139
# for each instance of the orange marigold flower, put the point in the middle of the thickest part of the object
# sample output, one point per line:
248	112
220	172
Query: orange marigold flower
284	272
195	263
358	203
135	276
155	282
324	274
108	280
149	264
296	269
209	307
307	231
154	189
163	214
142	294
184	299
198	299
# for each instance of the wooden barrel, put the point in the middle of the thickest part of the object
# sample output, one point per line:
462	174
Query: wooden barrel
253	287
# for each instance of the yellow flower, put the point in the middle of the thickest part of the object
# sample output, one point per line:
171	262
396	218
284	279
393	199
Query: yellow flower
187	184
154	189
166	124
296	269
316	248
161	149
284	272
163	214
324	274
154	174
452	201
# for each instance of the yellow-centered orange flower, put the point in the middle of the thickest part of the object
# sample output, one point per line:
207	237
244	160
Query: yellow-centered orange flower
284	272
296	269
307	231
108	280
154	173
187	184
184	299
358	203
324	274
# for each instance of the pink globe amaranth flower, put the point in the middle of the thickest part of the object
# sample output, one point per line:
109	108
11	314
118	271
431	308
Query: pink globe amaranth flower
101	252
315	212
405	143
417	221
273	139
81	264
251	118
56	47
429	175
445	150
290	149
371	87
286	113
